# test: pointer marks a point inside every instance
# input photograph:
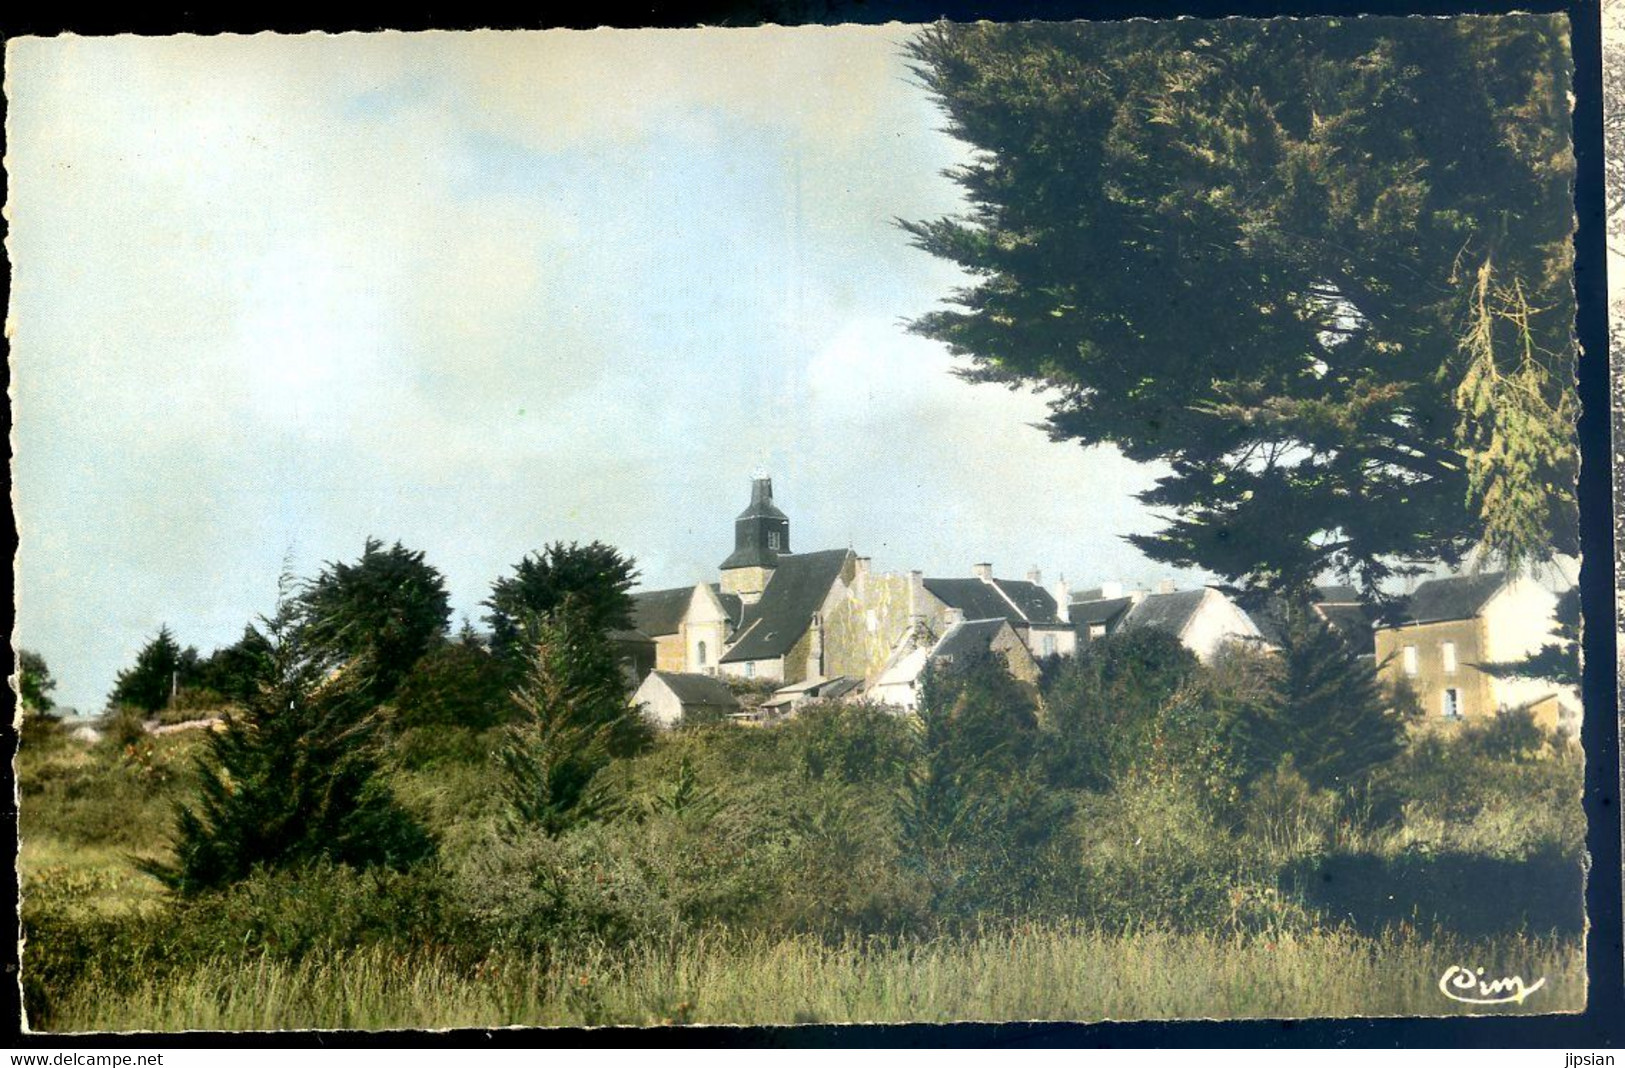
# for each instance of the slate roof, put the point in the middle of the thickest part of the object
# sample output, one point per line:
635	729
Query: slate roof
773	625
1337	595
731	603
1099	610
968	639
1456	597
1169	612
706	690
1353	620
629	636
658	612
1034	601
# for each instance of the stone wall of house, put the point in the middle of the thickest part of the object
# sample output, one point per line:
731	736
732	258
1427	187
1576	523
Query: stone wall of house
863	628
670	655
1433	676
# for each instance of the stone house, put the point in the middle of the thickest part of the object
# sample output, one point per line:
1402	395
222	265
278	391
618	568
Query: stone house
669	697
1451	626
898	683
1204	620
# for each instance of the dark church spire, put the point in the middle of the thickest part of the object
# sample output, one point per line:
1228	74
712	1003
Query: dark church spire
761	532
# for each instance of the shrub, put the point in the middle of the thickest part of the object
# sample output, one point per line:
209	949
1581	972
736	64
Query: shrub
1102	707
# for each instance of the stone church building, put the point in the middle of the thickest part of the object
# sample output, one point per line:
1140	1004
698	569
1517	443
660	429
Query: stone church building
789	617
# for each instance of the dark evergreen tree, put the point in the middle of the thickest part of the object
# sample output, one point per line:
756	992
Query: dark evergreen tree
147	686
379	614
455	684
977	821
234	671
1318	703
293	777
572	718
594	579
1320	268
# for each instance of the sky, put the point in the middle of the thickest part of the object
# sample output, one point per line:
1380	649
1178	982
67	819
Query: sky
479	292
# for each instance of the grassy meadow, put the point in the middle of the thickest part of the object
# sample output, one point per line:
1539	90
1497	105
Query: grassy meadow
760	876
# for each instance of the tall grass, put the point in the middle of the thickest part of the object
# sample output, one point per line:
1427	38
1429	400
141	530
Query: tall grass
1017	972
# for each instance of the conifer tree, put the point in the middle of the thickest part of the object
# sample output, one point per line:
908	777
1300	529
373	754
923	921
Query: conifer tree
1318	267
292	777
1318	703
573	716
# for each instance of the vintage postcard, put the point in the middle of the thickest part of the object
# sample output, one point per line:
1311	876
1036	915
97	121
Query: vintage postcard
895	523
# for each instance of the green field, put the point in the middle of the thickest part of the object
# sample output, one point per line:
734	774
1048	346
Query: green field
781	897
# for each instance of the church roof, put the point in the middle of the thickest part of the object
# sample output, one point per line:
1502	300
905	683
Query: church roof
731	603
772	626
657	612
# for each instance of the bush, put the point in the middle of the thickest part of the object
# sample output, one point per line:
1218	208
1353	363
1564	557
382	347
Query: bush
850	743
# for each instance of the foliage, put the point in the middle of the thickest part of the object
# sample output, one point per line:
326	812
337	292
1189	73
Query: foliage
1319	267
148	684
292	778
593	580
1317	704
573	717
34	683
1103	705
231	671
378	615
976	819
455	684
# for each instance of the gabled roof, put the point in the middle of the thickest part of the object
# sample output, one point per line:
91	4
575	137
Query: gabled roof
704	690
1033	600
968	639
772	626
1456	597
657	612
974	598
731	603
1337	595
629	636
1169	612
1353	620
1099	610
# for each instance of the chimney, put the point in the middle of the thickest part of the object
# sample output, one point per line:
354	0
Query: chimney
860	573
1063	600
862	565
1035	576
982	571
916	596
953	615
1111	590
1166	586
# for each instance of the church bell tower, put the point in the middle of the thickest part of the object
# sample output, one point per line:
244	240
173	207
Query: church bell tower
761	533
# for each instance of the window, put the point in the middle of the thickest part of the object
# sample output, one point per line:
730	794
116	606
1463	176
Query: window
1452	703
772	539
1447	653
699	654
1097	630
1049	645
750	669
1408	656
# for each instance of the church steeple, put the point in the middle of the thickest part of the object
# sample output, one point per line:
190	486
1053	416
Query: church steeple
761	533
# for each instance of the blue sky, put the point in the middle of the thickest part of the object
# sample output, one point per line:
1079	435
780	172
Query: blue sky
480	292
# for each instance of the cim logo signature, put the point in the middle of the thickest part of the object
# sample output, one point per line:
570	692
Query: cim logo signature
1469	985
